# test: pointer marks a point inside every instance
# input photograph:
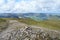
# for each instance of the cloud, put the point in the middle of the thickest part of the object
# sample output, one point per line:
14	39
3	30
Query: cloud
1	2
27	6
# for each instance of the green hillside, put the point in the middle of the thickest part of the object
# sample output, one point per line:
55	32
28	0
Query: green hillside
51	24
3	24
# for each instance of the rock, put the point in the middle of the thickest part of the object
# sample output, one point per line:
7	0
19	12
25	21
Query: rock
28	33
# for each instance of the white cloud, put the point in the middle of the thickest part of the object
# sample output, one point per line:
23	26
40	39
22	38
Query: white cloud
25	6
12	6
7	7
1	2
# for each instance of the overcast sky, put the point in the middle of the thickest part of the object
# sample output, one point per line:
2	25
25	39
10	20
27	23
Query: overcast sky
29	6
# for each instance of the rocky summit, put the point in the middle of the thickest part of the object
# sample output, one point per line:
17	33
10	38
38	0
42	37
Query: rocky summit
30	33
21	31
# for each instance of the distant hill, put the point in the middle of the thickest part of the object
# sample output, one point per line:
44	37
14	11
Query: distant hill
8	15
34	16
39	16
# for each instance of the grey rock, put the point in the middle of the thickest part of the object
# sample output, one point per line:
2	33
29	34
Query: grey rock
30	33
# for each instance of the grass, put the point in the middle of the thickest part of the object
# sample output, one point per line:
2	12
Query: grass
51	24
3	24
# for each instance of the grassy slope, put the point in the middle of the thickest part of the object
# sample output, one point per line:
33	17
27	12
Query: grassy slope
51	24
3	24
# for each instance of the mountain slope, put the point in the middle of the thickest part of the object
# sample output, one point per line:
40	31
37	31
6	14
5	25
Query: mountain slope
22	31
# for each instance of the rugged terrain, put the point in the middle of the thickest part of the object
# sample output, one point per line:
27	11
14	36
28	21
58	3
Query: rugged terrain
21	31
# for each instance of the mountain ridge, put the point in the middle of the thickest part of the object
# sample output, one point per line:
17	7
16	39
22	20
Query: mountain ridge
42	16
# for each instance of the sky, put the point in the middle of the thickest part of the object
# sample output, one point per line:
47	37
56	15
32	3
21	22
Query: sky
29	6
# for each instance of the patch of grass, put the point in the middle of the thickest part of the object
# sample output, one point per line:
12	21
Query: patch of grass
28	21
51	24
3	24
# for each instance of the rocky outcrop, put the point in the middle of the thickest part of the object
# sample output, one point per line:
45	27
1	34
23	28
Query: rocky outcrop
30	33
21	31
